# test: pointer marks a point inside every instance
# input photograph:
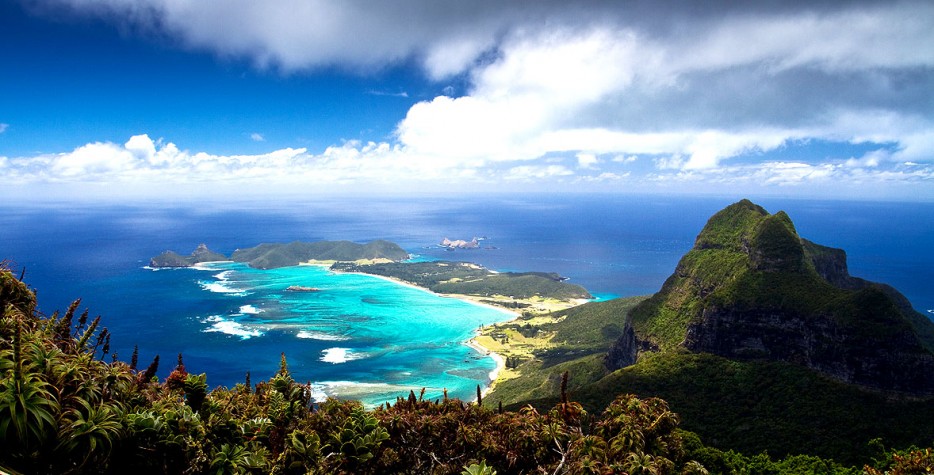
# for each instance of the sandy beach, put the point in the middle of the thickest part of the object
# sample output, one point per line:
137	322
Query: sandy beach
536	305
472	343
500	363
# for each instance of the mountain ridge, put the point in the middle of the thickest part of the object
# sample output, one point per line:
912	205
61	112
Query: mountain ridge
273	255
752	289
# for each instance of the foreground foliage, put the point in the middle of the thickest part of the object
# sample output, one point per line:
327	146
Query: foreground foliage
64	409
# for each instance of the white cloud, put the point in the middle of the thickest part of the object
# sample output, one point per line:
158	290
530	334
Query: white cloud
871	159
691	90
587	160
535	172
402	94
451	57
3	127
257	137
576	90
624	159
142	164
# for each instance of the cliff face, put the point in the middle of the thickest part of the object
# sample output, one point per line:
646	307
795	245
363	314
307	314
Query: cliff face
173	259
752	289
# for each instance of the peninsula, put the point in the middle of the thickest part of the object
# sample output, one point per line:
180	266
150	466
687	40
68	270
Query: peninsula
529	292
534	292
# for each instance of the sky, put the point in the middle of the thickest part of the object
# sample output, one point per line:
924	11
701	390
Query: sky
122	99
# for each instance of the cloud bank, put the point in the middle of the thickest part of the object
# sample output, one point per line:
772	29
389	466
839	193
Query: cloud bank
558	92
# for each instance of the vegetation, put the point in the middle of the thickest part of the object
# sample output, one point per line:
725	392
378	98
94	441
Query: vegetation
752	289
65	409
173	259
269	256
745	258
539	349
751	278
471	279
750	407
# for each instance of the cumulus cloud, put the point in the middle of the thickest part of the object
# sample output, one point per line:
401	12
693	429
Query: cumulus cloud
587	160
701	93
257	137
722	88
142	162
3	127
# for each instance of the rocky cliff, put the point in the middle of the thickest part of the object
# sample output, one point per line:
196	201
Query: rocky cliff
173	259
752	289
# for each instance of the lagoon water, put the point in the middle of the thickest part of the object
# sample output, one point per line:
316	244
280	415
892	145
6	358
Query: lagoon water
371	339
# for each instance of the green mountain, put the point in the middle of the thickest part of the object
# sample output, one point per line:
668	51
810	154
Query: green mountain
270	256
760	340
68	406
173	259
752	290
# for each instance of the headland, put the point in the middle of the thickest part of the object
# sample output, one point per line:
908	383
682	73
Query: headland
518	295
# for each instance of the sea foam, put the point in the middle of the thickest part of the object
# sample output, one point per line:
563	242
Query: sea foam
250	310
230	327
221	288
313	335
371	394
340	355
222	284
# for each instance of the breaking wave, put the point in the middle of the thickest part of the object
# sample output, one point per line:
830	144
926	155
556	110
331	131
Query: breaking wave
230	327
340	355
313	335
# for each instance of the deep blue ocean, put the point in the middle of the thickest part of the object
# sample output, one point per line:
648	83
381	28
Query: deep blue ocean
366	338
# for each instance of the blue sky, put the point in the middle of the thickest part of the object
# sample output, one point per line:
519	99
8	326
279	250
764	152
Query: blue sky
121	99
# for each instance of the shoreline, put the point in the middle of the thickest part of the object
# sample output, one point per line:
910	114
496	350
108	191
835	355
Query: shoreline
493	376
472	342
510	315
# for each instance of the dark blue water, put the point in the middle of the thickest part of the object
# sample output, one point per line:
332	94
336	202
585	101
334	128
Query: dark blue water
613	245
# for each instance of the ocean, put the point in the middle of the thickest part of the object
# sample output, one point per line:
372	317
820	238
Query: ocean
366	338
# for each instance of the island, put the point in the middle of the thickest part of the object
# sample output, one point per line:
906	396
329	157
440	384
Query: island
460	243
274	255
528	292
199	255
302	288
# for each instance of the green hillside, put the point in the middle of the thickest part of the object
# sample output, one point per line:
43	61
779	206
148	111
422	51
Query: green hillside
749	407
761	340
752	289
471	279
173	259
67	406
577	341
270	256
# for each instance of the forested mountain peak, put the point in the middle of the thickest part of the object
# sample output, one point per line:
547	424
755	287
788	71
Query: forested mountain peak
752	289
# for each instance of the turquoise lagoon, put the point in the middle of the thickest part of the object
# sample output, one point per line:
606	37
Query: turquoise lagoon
357	336
362	337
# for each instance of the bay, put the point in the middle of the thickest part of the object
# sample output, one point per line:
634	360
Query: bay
614	245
